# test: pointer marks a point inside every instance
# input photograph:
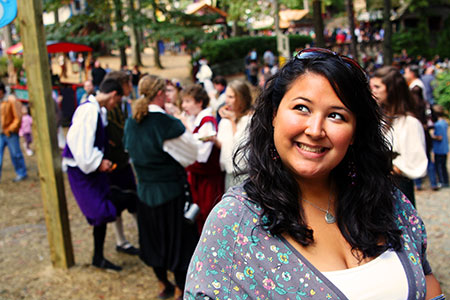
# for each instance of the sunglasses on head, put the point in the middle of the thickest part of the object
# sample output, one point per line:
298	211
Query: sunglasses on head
311	53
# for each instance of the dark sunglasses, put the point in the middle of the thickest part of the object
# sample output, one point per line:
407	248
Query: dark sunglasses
311	53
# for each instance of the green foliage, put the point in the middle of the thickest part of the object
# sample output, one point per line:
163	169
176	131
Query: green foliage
237	48
17	61
442	89
443	41
91	28
415	40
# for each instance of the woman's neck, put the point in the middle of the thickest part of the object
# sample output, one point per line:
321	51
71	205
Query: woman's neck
316	191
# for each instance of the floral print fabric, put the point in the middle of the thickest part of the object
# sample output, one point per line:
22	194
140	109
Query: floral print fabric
237	259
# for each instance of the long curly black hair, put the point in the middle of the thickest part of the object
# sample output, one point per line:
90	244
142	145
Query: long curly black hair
365	203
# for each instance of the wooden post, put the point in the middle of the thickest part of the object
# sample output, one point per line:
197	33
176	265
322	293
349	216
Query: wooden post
44	129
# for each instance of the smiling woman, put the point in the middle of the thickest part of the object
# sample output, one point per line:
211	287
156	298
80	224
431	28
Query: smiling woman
318	216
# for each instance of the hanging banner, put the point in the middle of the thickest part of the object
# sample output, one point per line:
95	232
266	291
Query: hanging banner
8	11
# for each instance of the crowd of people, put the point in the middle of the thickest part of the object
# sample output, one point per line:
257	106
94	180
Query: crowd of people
180	155
305	188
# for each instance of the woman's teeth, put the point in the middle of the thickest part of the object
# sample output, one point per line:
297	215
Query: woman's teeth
311	149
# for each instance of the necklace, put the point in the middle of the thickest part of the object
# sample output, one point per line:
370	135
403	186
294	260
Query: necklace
329	218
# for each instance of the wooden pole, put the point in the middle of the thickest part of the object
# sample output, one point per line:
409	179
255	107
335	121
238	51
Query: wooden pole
44	129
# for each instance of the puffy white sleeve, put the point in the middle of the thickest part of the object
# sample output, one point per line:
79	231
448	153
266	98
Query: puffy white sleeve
183	149
81	138
204	148
409	143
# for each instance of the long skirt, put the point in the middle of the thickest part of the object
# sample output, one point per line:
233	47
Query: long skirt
207	190
124	180
166	240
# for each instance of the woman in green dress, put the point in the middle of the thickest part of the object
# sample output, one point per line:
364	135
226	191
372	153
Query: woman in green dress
160	148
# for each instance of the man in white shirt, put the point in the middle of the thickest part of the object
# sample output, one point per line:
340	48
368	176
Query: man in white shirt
87	168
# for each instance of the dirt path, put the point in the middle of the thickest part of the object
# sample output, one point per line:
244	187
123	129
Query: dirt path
175	66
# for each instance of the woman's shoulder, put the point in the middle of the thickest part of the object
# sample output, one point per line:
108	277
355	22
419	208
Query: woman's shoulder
404	122
235	209
237	201
406	215
246	118
412	120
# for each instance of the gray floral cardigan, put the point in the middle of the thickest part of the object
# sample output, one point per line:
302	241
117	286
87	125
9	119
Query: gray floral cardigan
236	259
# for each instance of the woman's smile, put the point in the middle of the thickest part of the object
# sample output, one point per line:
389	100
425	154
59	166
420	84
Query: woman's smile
309	148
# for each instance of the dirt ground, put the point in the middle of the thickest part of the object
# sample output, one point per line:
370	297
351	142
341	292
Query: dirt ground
25	267
175	66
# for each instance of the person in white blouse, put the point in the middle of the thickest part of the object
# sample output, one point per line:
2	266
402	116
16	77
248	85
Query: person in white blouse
233	128
407	135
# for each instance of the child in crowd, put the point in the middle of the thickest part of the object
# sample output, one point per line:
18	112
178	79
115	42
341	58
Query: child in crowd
173	101
204	176
440	145
25	129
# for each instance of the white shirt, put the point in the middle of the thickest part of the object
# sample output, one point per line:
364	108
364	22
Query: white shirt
230	142
408	140
381	278
208	129
182	148
81	137
419	83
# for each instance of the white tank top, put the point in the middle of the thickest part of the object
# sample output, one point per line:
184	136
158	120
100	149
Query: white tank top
381	278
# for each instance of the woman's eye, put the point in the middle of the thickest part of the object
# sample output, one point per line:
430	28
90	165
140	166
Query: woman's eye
337	116
301	108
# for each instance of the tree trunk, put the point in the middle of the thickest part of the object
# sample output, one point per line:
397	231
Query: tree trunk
351	22
277	17
7	37
134	37
56	16
141	37
387	42
318	23
156	52
234	29
305	4
119	28
156	55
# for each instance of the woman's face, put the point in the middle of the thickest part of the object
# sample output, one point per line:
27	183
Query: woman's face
127	87
312	128
191	107
171	94
378	89
230	99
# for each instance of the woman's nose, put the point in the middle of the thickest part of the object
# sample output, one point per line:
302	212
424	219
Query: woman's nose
315	127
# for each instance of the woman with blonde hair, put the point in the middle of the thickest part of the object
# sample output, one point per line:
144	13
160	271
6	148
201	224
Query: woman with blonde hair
160	148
